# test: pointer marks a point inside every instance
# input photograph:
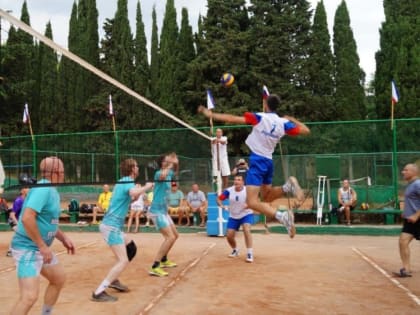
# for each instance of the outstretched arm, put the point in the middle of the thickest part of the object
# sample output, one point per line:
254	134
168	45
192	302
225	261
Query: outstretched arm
222	117
303	129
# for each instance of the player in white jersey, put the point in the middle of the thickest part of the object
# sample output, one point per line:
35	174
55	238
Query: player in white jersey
268	129
220	160
239	214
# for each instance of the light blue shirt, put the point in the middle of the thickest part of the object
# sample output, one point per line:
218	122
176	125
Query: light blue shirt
120	203
412	198
45	201
161	190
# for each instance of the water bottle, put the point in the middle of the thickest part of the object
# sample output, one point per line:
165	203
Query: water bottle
195	219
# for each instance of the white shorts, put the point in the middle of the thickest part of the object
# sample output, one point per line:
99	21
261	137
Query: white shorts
137	209
224	167
30	262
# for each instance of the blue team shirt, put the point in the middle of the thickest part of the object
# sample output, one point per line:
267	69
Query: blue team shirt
45	201
161	191
119	204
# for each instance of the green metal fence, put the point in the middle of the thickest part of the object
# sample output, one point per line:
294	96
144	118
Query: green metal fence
350	149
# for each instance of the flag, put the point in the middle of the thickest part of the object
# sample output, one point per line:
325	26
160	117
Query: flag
25	114
111	109
265	93
395	95
210	100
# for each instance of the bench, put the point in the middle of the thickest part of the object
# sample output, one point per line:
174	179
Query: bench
388	214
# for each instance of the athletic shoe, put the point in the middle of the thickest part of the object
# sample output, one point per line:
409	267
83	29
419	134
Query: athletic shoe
288	221
403	273
234	253
167	264
117	285
103	297
292	186
249	258
159	272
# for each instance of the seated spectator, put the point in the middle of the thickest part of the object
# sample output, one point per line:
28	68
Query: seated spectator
197	203
4	207
177	204
347	199
103	203
16	209
136	209
147	203
241	168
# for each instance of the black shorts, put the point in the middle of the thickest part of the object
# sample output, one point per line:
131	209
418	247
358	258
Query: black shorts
412	228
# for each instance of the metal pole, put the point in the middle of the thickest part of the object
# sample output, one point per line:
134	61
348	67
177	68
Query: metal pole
395	165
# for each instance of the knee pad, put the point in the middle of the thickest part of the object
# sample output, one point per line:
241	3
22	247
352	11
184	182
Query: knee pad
131	250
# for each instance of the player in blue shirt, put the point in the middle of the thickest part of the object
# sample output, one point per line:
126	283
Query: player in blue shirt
112	229
168	166
36	230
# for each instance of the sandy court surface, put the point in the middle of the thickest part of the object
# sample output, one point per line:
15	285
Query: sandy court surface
307	275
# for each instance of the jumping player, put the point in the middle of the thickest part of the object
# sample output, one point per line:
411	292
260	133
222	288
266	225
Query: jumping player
239	214
268	129
112	226
158	212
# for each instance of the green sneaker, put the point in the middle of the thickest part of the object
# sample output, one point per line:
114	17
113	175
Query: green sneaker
158	271
167	264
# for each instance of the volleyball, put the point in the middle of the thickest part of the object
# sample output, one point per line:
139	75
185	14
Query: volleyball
227	79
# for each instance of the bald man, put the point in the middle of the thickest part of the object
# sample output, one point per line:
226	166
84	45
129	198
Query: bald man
411	216
103	203
36	230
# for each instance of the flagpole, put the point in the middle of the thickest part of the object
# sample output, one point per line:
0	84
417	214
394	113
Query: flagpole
27	118
392	115
114	128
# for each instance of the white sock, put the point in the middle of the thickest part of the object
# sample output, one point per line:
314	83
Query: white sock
279	216
102	287
249	251
46	310
287	187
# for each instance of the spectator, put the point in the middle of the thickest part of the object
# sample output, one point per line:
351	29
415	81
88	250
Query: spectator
103	203
220	157
347	199
36	230
411	216
197	203
15	212
4	207
176	204
239	214
136	209
241	168
147	203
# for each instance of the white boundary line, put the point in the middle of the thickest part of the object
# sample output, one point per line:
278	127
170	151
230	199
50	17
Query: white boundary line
166	289
398	284
57	254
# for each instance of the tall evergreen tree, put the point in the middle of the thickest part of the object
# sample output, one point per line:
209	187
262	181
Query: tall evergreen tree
349	77
321	68
154	59
280	48
399	59
18	75
47	113
186	55
142	71
169	51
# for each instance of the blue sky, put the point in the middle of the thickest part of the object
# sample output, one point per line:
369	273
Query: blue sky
366	17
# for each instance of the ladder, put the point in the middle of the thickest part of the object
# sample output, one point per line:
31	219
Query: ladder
320	198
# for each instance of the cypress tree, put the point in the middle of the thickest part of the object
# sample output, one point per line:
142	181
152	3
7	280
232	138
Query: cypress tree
349	77
399	58
47	114
321	68
142	71
169	50
279	51
154	59
185	56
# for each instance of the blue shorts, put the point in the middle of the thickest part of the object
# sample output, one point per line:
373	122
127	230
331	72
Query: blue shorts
160	220
260	171
234	224
29	262
112	235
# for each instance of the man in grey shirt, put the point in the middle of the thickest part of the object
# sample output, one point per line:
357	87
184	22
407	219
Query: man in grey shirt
197	202
411	216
